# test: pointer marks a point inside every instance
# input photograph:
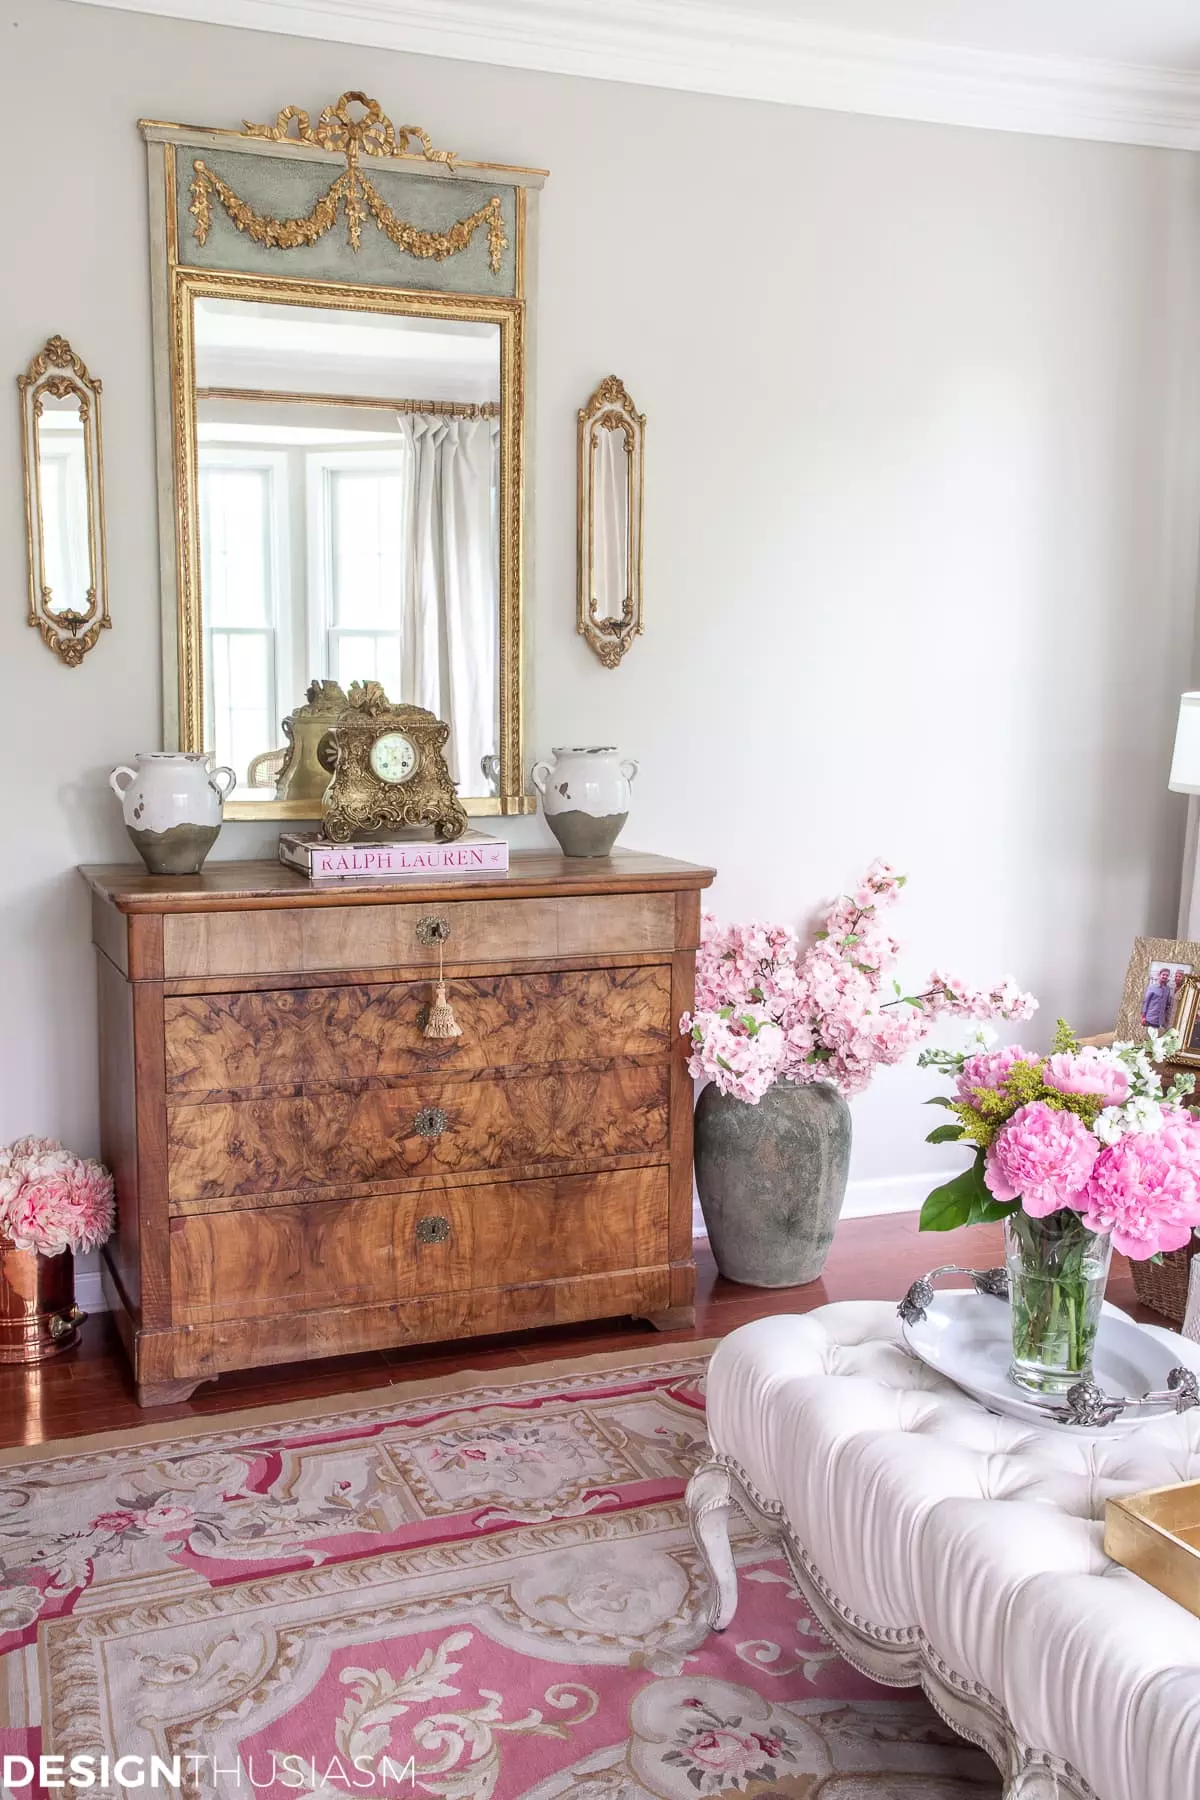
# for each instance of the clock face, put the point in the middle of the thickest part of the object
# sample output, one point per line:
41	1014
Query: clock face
393	758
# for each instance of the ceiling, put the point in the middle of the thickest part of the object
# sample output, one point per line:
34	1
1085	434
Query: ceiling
1150	33
1125	71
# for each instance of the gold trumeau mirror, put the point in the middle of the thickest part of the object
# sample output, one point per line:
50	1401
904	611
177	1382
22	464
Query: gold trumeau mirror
342	323
612	435
64	501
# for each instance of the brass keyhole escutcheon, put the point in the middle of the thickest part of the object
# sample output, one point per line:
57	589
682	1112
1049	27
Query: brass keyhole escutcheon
430	1122
433	1230
432	929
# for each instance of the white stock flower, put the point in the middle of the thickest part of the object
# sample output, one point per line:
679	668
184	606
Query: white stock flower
1110	1125
1142	1114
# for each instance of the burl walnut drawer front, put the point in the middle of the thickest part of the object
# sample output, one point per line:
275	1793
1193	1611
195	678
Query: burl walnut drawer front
305	1037
396	1246
304	940
437	1128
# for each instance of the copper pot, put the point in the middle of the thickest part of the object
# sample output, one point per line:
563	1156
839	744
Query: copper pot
38	1314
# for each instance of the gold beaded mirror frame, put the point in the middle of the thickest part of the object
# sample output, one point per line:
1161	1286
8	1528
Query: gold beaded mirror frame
343	320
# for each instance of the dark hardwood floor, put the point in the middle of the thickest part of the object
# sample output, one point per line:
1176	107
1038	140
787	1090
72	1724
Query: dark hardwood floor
89	1388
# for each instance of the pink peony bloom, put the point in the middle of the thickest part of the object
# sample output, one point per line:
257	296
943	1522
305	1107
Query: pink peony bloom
1043	1158
989	1069
1145	1188
52	1201
1087	1071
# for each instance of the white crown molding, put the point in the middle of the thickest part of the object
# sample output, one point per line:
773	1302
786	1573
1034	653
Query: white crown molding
718	47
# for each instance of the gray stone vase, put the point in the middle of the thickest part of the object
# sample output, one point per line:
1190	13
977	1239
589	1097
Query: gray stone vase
772	1179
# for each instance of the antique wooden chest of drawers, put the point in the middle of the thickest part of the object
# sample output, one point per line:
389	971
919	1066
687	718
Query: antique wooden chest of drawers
301	1172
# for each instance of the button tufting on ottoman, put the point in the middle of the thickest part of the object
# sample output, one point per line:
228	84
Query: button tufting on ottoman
944	1546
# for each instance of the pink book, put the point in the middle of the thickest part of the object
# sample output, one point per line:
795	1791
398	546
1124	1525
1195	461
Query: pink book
472	854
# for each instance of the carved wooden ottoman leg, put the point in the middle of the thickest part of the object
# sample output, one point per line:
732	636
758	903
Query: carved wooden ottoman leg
708	1499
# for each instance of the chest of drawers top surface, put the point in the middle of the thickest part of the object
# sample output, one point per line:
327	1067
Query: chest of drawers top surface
257	921
231	886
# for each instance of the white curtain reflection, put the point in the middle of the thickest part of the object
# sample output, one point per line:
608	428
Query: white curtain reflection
449	632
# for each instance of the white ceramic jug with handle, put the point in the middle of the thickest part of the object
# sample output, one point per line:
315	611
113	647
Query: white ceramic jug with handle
173	806
585	796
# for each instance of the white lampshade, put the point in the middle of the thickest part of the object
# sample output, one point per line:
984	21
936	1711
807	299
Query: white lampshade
1185	764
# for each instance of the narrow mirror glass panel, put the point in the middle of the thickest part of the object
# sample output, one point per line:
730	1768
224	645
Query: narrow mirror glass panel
67	561
349	467
610	486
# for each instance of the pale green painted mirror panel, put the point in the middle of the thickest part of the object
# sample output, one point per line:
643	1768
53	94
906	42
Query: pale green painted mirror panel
445	232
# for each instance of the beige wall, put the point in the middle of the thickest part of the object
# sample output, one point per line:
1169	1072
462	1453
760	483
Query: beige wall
921	519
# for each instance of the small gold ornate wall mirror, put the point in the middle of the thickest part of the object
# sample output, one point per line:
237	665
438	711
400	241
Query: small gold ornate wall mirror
64	501
612	435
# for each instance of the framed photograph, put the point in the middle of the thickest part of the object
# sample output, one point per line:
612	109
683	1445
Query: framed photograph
1187	1021
1156	987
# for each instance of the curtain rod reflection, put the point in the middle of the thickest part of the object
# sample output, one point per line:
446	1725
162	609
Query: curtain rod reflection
447	409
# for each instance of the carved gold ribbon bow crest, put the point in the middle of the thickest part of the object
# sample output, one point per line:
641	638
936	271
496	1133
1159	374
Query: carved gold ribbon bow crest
370	132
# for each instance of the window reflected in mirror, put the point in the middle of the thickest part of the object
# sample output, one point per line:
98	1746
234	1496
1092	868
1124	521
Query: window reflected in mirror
348	473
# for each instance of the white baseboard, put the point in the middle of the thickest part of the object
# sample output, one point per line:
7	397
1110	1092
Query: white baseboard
89	1294
868	1199
890	1194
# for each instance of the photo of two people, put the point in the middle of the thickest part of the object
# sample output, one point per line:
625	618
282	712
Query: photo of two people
1164	989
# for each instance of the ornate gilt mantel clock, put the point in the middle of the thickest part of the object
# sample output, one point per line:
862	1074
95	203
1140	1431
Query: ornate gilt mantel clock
390	770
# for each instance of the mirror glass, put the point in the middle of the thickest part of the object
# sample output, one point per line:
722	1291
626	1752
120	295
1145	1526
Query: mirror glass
62	475
349	472
610	512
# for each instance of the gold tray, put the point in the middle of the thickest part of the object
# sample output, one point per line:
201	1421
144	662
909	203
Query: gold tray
1156	1534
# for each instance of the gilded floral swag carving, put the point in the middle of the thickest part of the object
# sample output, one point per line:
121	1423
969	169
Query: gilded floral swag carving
337	129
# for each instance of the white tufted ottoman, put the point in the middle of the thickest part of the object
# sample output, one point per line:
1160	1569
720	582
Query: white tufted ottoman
944	1547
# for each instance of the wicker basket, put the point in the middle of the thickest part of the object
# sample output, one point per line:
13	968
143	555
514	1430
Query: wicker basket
1163	1285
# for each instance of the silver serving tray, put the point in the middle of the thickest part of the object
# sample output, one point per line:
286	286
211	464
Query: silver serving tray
964	1334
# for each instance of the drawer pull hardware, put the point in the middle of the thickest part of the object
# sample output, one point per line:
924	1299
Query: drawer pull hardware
432	930
433	1230
431	1121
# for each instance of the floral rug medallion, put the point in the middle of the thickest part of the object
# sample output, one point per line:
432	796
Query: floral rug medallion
473	1593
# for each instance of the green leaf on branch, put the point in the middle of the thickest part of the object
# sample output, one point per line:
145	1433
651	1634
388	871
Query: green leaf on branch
964	1200
940	1100
951	1205
945	1134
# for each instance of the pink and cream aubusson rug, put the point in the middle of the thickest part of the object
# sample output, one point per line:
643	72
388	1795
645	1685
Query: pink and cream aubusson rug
468	1590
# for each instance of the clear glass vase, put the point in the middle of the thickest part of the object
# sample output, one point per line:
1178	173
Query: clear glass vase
1057	1272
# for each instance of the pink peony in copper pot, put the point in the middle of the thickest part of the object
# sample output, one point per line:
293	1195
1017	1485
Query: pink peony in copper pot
52	1204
